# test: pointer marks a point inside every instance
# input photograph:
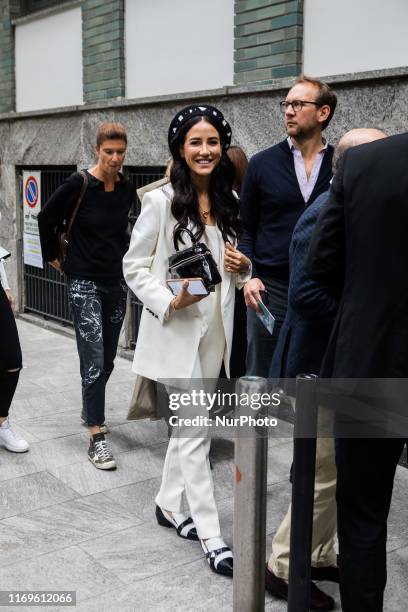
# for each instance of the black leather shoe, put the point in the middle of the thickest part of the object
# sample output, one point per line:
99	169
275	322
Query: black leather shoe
278	587
219	559
329	573
185	529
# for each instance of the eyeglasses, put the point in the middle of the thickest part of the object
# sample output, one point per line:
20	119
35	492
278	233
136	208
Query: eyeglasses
296	105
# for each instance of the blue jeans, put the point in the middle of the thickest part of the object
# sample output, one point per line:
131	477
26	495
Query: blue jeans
98	312
261	344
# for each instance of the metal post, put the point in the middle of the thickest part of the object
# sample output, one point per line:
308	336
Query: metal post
304	458
251	452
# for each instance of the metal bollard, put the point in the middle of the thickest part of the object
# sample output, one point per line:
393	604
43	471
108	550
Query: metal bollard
251	453
304	459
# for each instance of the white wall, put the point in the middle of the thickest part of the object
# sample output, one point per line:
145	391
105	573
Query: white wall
342	36
175	46
49	61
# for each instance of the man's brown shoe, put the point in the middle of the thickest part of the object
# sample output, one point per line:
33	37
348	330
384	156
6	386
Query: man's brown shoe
279	588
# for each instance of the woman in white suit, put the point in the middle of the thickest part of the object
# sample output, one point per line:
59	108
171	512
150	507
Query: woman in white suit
183	340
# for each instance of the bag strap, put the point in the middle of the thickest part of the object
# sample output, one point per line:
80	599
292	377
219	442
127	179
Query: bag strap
77	205
190	233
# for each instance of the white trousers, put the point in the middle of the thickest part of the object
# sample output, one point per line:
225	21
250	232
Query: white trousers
187	465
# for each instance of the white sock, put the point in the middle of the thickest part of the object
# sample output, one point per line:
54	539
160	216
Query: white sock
213	544
179	517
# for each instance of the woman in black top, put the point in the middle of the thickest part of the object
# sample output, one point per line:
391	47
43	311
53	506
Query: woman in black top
93	268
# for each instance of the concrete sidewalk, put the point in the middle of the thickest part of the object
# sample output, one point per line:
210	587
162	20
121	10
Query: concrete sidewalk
66	526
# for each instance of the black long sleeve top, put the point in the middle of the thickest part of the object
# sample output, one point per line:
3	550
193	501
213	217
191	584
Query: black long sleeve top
271	204
98	239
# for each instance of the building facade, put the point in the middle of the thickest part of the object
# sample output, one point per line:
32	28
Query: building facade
67	66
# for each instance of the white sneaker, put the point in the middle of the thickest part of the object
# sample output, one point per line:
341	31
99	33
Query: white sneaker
11	440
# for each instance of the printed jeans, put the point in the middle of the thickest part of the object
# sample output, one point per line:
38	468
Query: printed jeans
98	312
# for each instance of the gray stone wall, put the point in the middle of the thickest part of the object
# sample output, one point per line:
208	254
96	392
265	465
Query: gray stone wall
103	44
268	39
68	137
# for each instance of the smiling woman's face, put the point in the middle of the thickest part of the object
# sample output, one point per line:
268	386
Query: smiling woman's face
202	148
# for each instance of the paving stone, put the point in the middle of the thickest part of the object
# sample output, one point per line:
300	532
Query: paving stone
397	520
142	551
41	404
63	570
59	526
85	479
135	434
395	596
19	495
279	461
189	588
14	465
138	497
54	426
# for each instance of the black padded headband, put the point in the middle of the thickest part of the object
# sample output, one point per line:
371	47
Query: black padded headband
199	110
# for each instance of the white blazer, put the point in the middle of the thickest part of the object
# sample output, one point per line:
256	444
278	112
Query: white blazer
167	343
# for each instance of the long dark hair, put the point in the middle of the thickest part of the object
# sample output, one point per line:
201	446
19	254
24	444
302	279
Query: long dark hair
185	207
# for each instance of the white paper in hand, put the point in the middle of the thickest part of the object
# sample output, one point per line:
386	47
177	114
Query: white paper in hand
266	317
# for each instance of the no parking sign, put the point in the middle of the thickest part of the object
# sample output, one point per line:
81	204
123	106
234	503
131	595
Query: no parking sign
31	200
31	191
31	208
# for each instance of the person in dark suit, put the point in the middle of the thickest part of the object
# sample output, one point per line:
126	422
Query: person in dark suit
300	348
359	252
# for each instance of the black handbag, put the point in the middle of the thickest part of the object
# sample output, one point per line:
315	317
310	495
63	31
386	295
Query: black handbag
195	261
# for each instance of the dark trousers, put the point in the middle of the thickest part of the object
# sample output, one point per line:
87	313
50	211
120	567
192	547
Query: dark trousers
365	476
98	312
239	338
10	354
261	344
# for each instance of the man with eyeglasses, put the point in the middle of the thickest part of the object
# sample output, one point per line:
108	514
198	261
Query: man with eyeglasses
279	184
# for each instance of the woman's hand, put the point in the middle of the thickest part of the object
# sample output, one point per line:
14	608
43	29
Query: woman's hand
11	299
55	263
234	260
185	298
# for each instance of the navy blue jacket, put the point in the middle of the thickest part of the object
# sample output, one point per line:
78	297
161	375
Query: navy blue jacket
271	203
311	310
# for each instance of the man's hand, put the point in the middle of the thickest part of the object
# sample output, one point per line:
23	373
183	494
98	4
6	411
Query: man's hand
252	293
234	260
185	298
55	263
11	299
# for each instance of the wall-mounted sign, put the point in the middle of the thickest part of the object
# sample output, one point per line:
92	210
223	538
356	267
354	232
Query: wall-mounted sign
31	208
32	251
31	200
